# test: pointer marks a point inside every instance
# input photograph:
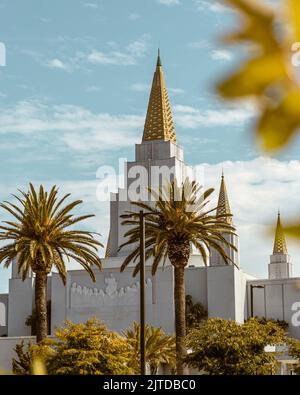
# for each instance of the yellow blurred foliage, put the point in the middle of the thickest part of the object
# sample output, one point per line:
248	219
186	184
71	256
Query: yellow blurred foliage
268	75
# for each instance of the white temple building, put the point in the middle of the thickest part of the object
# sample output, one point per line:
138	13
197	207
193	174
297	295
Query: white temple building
224	290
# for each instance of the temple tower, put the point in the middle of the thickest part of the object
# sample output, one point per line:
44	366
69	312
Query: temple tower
224	209
158	160
280	265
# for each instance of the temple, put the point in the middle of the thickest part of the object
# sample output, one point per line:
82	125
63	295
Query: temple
224	290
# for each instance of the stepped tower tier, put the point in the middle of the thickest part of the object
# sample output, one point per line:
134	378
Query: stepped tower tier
280	265
224	208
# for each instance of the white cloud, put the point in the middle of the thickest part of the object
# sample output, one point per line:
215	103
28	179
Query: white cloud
76	127
125	57
91	5
199	44
176	91
168	2
133	16
256	189
58	64
221	54
92	88
211	5
139	87
192	118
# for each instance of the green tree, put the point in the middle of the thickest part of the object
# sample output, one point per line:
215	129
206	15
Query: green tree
294	351
29	359
224	347
79	349
178	220
39	240
160	348
194	312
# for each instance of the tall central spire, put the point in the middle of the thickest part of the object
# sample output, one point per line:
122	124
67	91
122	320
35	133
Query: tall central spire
279	242
159	124
223	203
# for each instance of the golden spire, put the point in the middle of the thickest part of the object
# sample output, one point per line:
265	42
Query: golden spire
223	203
107	252
159	123
279	242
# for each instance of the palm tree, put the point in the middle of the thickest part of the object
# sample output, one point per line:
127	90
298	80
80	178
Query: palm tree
178	220
39	240
160	348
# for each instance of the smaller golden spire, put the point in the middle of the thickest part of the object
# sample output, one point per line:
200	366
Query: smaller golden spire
279	242
223	202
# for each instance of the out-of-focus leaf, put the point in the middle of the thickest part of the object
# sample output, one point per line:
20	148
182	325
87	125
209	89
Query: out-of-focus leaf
254	8
257	24
277	125
294	6
293	231
268	75
252	78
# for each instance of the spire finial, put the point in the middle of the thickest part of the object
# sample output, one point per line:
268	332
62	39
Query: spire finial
279	242
158	58
223	202
222	172
159	124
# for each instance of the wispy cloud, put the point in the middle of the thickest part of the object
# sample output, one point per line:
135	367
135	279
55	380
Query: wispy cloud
140	87
124	57
211	5
221	54
192	118
91	5
92	88
215	53
176	91
74	127
168	2
133	16
199	44
58	64
114	55
257	188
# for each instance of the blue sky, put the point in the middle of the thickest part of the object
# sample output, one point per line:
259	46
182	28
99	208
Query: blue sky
74	93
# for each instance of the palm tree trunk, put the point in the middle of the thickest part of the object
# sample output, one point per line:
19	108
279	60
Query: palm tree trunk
180	329
41	306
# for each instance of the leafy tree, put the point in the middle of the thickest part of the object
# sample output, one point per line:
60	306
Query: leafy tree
194	312
34	354
39	239
294	351
224	347
178	220
160	348
80	349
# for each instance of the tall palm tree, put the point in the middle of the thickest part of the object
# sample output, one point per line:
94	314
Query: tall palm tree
178	219
160	347
39	240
